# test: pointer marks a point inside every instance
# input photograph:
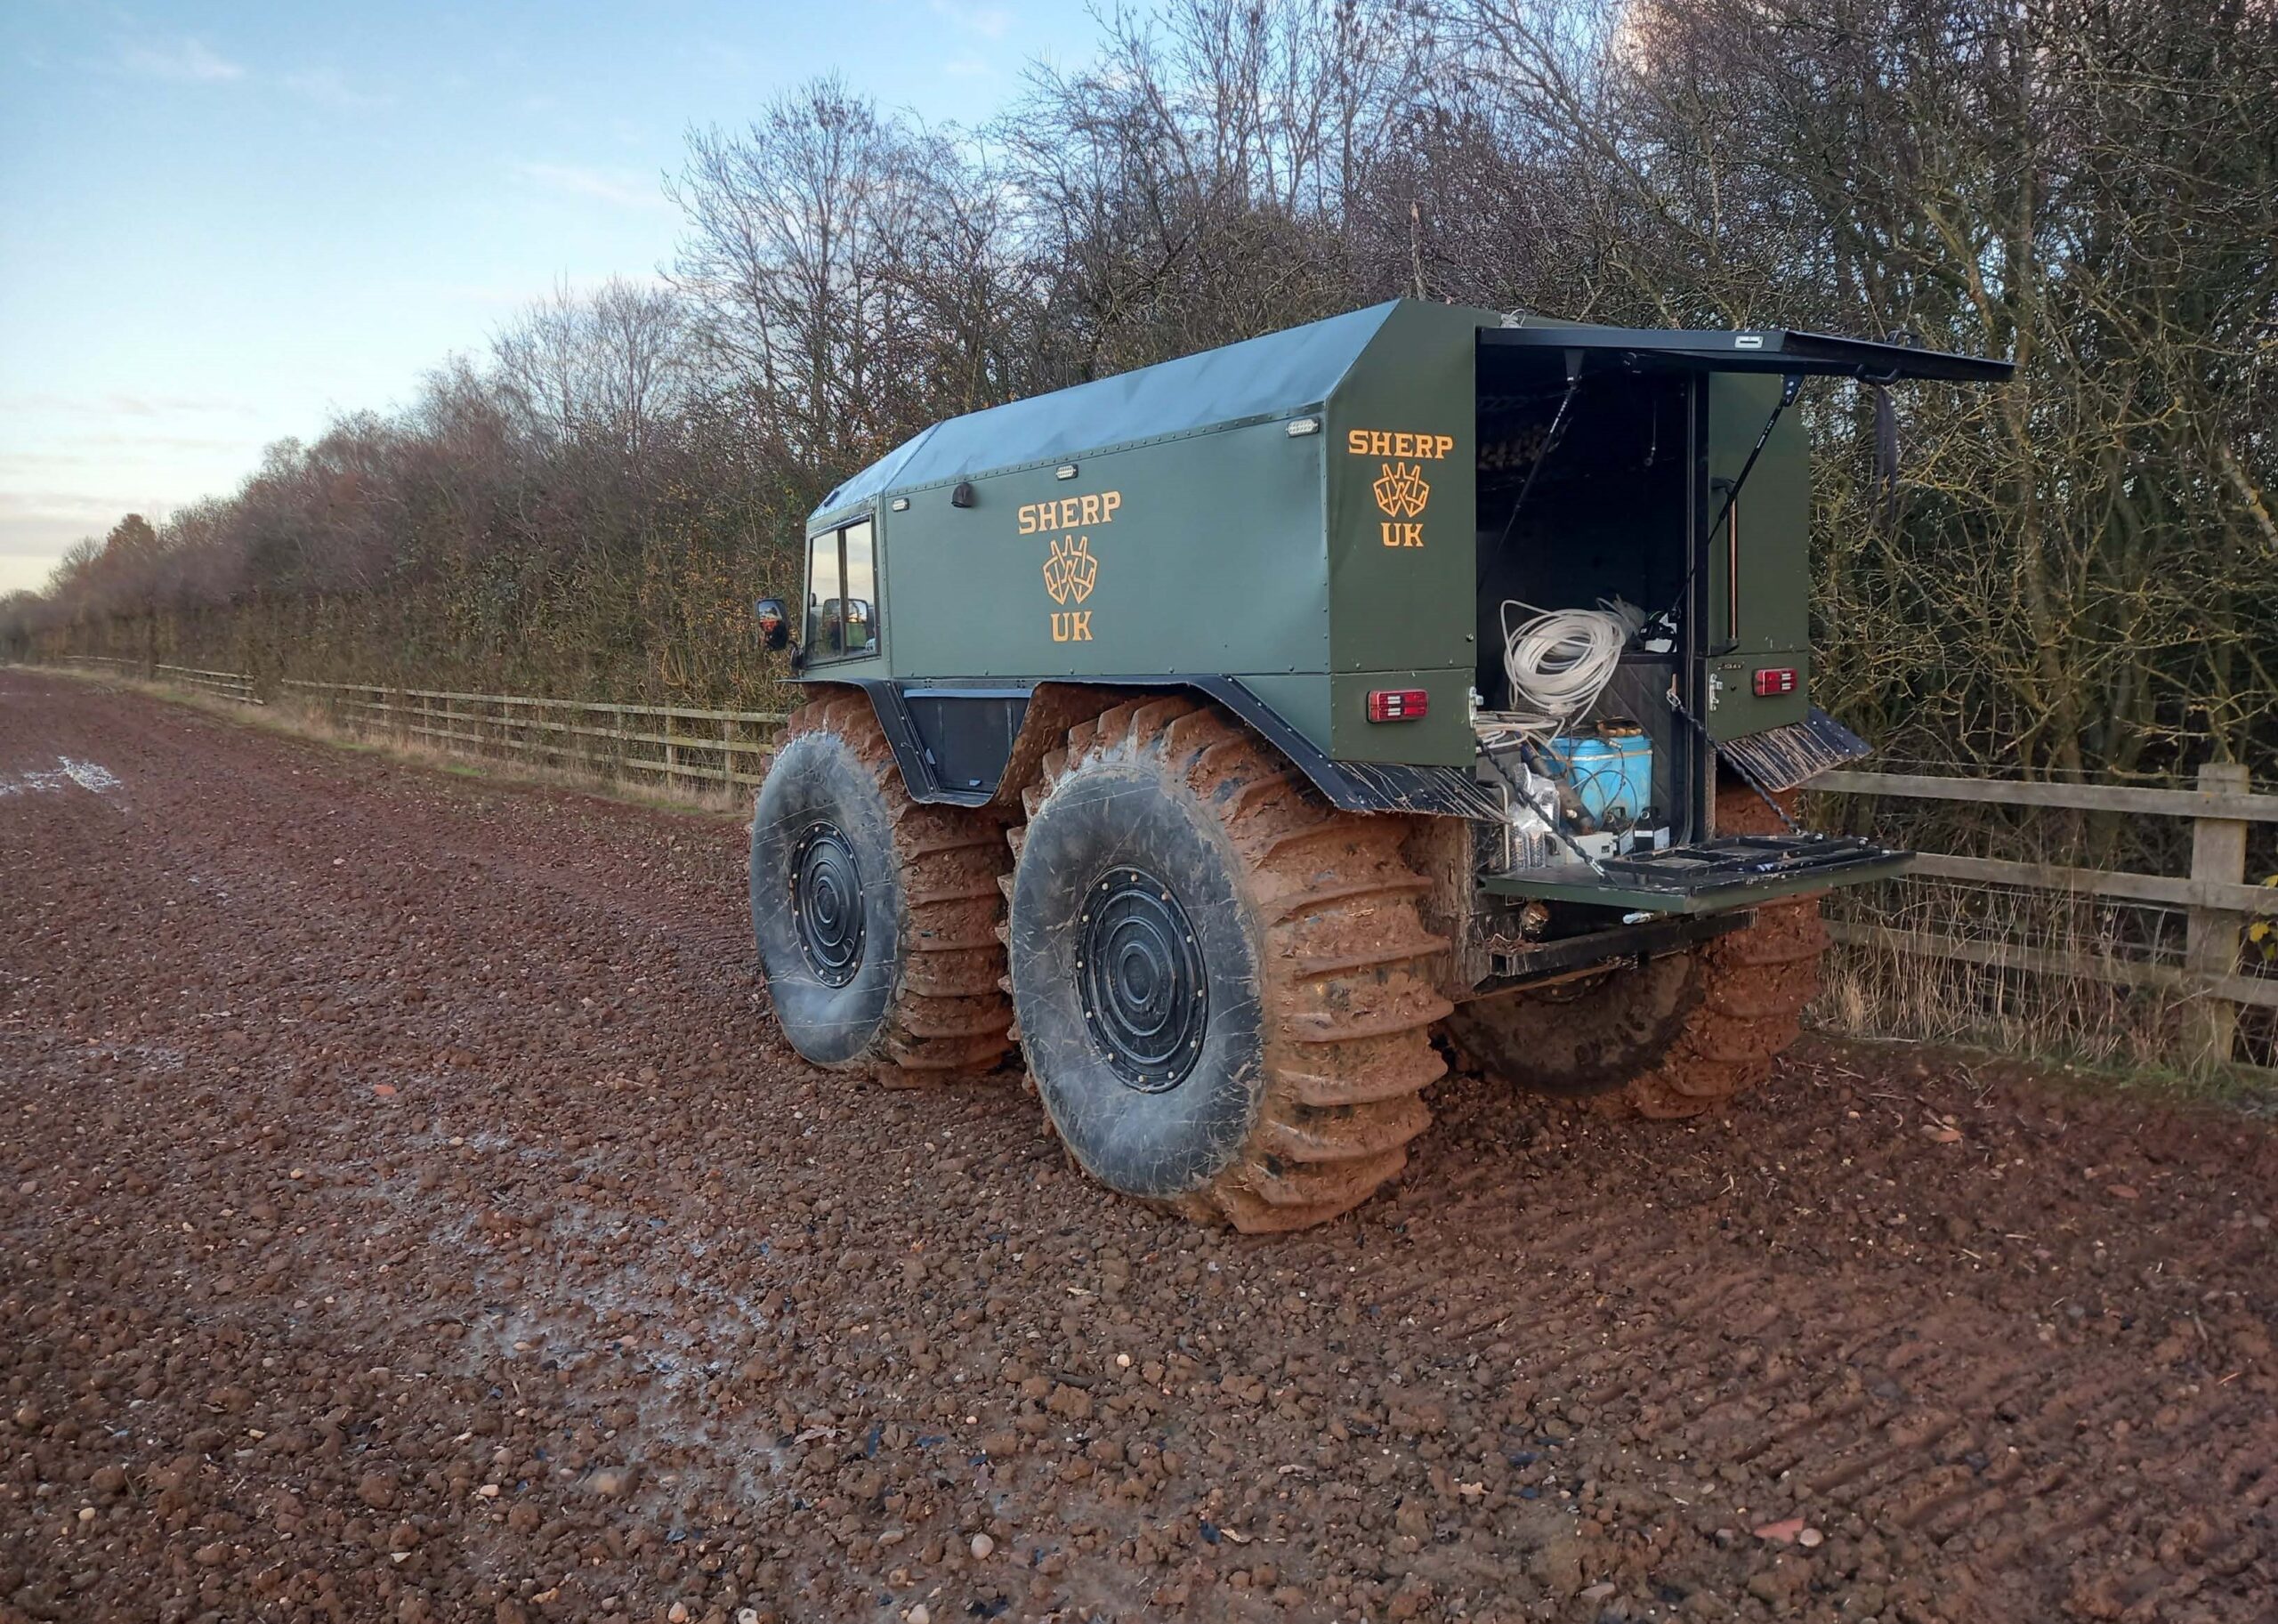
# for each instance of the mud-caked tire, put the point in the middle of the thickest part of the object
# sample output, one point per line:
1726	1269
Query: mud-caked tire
876	917
1674	1037
1223	988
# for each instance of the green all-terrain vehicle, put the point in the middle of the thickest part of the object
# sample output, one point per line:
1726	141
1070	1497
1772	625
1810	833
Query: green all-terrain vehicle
1222	732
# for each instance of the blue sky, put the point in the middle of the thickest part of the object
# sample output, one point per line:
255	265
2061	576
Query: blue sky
219	224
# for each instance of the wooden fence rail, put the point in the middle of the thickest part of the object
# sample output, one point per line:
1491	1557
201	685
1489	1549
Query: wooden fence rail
226	684
677	742
682	743
2216	899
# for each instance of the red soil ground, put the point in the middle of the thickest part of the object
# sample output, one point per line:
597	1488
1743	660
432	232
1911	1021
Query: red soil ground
407	1211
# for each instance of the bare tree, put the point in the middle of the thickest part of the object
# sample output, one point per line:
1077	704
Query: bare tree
610	365
2076	573
795	227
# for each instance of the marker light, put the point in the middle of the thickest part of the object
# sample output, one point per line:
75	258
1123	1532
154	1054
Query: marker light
1775	680
1398	704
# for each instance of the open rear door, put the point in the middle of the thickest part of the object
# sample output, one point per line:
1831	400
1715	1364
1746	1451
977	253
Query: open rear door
1723	872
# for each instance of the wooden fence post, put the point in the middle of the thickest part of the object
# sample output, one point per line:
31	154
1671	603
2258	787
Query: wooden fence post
2211	934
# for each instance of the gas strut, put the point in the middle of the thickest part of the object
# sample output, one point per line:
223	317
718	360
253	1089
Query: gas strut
1790	386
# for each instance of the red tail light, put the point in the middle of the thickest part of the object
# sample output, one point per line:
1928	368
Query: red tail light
1398	704
1775	680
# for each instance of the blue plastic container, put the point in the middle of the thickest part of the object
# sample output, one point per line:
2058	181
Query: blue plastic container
1611	775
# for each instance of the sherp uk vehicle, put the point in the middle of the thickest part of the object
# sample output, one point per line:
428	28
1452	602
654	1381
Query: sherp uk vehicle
1222	732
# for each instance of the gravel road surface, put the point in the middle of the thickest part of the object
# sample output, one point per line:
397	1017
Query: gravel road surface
409	1214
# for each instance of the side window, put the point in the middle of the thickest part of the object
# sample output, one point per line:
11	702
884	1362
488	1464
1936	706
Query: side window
822	638
861	557
842	593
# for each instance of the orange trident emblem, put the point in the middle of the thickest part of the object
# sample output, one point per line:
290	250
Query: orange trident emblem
1402	492
1071	571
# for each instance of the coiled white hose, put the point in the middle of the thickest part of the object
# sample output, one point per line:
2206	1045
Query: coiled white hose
1559	662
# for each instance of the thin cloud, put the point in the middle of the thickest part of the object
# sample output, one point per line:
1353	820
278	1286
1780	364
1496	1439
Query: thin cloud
36	526
989	21
167	443
56	503
118	404
968	66
188	61
192	61
329	88
625	188
39	462
165	406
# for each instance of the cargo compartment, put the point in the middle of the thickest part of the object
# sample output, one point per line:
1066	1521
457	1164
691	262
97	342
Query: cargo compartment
1584	503
1601	478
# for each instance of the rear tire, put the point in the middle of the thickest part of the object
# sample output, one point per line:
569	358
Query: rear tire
876	917
1224	987
1674	1037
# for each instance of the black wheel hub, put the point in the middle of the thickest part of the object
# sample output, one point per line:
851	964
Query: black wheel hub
1139	973
826	903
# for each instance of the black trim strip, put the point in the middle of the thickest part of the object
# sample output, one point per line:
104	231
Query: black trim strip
1355	786
1777	350
1362	787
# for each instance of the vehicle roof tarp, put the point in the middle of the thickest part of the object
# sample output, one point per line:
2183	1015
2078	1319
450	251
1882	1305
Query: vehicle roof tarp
1259	377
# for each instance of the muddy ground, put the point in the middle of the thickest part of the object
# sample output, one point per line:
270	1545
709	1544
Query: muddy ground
408	1214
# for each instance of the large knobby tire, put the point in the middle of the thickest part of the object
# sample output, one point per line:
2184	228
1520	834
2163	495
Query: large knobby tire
1674	1037
876	917
1223	988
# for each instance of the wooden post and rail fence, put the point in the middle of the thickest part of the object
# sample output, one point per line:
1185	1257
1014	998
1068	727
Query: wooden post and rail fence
220	685
2215	900
687	745
679	743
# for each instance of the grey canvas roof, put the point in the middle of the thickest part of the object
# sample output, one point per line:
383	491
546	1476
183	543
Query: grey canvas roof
1259	377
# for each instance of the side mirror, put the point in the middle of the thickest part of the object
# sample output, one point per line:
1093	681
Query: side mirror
774	623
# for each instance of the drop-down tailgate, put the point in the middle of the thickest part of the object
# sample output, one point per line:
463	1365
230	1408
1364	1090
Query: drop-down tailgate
1727	872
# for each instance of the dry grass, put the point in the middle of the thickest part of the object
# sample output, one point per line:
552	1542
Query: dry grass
2136	1035
1874	988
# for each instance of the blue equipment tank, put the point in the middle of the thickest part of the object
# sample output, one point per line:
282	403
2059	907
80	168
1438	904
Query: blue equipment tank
1611	774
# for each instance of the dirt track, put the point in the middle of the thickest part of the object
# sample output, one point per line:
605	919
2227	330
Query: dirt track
408	1214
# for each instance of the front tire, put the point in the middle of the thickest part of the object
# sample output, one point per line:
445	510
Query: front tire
1222	984
876	917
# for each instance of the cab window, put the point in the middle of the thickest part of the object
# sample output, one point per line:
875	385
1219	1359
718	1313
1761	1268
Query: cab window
842	593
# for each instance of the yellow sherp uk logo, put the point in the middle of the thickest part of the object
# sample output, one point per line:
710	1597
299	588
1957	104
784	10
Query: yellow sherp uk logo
1401	491
1070	572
